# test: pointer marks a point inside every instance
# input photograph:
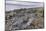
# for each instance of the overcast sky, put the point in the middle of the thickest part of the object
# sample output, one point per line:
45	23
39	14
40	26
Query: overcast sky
12	4
27	0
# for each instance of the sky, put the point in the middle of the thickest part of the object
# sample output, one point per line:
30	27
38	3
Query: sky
12	4
27	0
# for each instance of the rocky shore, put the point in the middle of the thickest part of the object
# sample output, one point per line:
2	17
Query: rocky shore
23	19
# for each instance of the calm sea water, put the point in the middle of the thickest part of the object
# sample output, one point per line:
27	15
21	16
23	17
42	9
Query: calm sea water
18	5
